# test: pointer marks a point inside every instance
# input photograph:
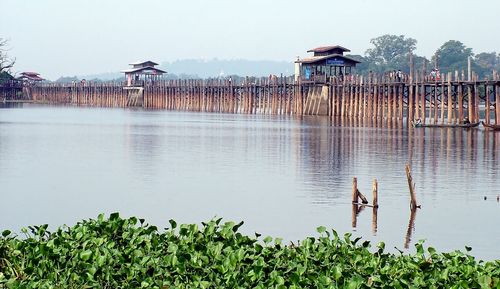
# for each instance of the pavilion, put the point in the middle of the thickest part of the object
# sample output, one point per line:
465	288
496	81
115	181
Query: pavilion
30	76
327	61
142	72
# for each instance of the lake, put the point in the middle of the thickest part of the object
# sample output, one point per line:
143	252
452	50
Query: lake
284	176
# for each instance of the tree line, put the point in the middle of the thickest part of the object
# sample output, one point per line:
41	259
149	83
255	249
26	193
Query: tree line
392	52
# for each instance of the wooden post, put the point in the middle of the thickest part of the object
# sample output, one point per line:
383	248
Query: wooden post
374	219
442	101
344	96
389	103
375	100
460	102
411	185
423	114
417	97
401	103
394	102
363	97
435	105
497	100
369	97
487	104
410	104
375	193
351	99
383	102
477	99
449	102
471	102
362	197
469	70
354	190
354	215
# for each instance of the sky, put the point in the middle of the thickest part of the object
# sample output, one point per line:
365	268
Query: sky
68	37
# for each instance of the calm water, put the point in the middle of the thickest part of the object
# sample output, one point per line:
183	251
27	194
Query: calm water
283	176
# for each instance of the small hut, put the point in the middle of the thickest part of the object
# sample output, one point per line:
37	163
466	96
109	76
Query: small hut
142	72
327	61
30	77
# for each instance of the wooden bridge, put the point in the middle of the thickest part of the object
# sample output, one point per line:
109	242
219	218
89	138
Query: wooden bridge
448	100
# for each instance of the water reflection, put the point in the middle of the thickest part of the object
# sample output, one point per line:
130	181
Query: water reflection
451	167
10	104
374	220
283	175
411	228
357	209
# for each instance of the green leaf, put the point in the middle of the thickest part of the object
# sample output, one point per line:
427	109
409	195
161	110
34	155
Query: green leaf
484	281
101	260
321	229
237	226
120	253
114	216
337	273
85	255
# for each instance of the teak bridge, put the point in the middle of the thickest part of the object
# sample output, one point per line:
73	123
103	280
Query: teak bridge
448	100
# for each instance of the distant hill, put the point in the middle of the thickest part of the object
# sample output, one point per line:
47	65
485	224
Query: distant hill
216	67
200	68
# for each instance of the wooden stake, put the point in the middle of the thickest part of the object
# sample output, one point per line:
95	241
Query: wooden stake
362	197
355	190
375	193
411	185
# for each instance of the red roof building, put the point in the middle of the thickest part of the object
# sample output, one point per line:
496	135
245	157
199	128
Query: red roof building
30	76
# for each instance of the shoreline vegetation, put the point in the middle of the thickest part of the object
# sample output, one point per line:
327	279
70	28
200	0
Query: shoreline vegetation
116	252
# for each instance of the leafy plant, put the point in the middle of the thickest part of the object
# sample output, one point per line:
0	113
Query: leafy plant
128	253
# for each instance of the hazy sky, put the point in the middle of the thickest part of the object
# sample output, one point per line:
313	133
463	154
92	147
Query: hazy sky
66	37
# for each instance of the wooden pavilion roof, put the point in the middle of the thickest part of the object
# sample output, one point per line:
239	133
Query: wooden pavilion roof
31	76
328	48
314	59
145	63
143	70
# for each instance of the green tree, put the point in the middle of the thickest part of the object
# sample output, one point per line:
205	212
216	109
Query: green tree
363	67
486	62
390	52
451	56
418	63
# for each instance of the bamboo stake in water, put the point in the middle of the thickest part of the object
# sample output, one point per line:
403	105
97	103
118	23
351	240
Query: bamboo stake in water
413	198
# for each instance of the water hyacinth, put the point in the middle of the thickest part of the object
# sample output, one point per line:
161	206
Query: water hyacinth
128	253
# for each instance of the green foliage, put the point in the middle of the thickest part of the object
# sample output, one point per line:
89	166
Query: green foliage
5	76
486	62
452	55
364	66
127	253
390	52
